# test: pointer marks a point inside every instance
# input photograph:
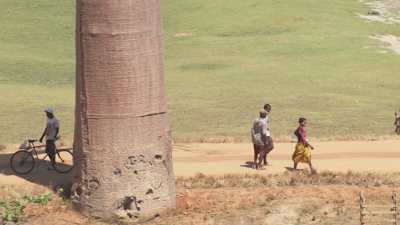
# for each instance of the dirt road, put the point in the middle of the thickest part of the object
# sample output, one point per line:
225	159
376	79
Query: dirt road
255	205
218	159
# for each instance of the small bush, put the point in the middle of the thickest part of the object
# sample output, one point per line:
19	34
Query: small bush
40	199
13	210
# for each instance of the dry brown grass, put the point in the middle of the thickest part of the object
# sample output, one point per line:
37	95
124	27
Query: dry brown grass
11	192
288	198
297	178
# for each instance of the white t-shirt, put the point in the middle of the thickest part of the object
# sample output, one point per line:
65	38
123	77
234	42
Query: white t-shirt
51	128
266	121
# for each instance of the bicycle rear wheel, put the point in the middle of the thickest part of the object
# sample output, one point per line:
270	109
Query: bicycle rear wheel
22	162
63	161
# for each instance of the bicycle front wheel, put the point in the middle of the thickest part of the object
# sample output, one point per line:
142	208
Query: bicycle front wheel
63	161
22	162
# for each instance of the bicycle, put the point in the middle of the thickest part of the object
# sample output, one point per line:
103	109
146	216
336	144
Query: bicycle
23	161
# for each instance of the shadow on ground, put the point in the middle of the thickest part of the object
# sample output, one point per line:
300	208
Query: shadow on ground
40	174
248	164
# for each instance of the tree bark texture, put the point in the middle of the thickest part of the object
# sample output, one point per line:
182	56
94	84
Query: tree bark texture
122	145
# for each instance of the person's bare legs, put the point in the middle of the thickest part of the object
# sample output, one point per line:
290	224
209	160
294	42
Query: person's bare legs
295	165
262	155
269	148
265	161
313	171
256	153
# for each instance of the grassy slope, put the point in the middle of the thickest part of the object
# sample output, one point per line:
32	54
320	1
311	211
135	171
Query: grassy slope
224	59
36	66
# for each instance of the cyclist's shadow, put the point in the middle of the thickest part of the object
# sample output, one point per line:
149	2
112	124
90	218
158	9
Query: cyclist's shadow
42	174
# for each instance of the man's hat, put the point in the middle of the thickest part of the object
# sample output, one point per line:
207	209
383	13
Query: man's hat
49	110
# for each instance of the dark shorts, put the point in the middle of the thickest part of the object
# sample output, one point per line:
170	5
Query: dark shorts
268	147
50	147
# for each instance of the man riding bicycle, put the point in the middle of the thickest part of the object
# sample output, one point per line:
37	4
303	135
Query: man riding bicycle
50	132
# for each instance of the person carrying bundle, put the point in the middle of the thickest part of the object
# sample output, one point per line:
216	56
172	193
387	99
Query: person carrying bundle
259	138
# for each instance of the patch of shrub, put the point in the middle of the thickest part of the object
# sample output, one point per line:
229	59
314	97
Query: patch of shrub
13	210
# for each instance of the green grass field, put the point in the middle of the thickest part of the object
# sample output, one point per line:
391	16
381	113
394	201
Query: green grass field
224	60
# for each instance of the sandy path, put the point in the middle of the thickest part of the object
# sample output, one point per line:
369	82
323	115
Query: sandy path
218	159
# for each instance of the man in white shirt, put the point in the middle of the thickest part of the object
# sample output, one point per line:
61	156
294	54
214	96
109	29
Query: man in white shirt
269	145
50	132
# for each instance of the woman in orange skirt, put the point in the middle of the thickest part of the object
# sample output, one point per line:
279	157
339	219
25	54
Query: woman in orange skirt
302	153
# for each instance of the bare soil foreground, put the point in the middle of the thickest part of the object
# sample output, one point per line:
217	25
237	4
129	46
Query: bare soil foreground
216	186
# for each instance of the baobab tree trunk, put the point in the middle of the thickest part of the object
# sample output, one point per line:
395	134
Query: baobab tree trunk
122	142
